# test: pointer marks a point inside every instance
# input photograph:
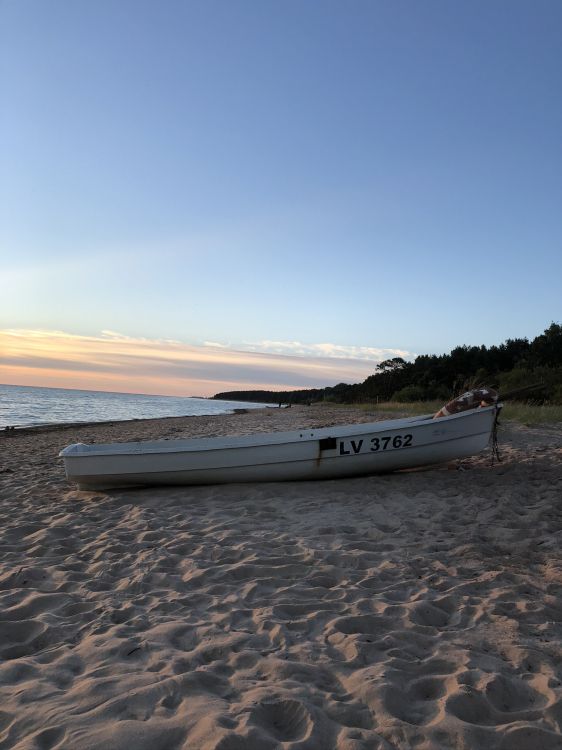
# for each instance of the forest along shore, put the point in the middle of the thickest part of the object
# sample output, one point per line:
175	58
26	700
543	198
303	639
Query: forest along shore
510	366
416	609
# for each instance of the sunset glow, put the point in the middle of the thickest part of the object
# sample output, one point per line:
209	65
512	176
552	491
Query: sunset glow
114	362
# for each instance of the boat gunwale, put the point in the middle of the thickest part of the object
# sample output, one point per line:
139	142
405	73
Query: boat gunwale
257	440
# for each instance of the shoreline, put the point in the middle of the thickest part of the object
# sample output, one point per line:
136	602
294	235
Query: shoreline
59	426
415	609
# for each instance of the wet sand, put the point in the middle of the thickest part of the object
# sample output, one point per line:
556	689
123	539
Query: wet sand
421	609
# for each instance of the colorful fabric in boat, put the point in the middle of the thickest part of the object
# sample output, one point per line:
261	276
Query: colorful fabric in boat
468	400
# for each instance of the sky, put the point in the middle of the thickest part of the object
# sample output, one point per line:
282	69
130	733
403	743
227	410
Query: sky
229	194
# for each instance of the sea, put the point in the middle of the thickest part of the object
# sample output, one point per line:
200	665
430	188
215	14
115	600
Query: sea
26	406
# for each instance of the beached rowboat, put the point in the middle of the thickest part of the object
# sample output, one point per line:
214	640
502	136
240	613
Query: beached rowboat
339	451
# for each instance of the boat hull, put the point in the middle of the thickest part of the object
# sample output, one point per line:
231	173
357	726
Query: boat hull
339	451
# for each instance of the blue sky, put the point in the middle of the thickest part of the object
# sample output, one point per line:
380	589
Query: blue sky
313	179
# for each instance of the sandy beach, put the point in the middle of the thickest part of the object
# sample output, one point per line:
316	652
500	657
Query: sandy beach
421	609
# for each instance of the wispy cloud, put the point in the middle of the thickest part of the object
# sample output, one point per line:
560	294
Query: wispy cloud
335	351
113	361
215	345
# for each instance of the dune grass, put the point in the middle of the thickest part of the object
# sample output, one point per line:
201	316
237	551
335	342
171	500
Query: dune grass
525	413
531	414
411	408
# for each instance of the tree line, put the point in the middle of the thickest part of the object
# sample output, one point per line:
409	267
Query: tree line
514	364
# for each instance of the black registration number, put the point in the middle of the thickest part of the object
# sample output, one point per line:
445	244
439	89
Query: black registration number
371	445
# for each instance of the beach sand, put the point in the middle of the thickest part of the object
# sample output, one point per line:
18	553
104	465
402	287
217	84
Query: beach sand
416	610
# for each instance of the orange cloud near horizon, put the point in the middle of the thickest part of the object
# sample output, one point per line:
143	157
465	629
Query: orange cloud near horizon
113	362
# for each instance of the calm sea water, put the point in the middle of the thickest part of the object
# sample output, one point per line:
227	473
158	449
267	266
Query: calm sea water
24	406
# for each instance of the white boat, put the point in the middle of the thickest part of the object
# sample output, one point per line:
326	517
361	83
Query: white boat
339	451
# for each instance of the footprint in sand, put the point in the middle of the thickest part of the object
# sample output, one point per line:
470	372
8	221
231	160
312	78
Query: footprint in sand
470	706
504	700
507	694
363	624
286	720
48	738
24	638
430	614
417	702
